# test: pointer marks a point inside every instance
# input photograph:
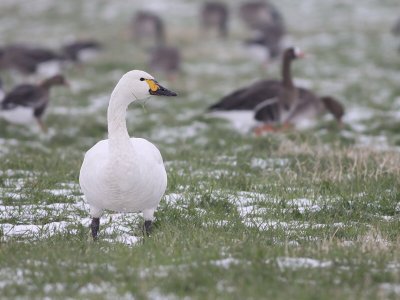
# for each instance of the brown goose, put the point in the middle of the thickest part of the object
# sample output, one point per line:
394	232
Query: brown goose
279	102
165	59
268	26
78	51
264	91
24	58
27	102
293	105
2	93
396	28
147	25
215	15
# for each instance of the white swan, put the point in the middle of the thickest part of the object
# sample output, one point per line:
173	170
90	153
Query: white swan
125	174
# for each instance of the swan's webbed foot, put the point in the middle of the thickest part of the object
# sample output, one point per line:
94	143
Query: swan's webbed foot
147	227
94	226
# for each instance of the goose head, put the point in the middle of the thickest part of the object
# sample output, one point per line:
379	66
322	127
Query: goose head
139	85
293	53
55	80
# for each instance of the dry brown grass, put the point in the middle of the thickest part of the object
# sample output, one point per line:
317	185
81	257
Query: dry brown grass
337	163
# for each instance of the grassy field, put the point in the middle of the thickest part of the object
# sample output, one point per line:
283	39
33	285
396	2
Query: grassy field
310	214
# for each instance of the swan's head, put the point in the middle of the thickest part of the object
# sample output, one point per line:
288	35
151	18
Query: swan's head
139	85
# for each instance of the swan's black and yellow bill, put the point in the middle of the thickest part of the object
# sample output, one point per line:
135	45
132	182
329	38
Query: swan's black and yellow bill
158	90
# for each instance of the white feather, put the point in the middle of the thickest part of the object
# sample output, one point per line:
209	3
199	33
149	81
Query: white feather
124	174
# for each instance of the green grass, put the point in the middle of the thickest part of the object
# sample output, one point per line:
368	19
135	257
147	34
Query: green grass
310	214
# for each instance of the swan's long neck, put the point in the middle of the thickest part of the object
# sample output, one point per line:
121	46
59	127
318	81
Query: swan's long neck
116	117
287	73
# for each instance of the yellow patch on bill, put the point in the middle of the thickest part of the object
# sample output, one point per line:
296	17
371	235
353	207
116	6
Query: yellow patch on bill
153	86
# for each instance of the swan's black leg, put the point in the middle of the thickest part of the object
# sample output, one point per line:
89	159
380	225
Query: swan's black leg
148	227
95	227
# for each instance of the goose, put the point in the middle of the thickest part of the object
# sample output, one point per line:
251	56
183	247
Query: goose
396	28
120	173
259	13
267	41
275	102
79	51
165	59
27	59
248	98
27	103
268	28
2	93
147	25
294	105
215	15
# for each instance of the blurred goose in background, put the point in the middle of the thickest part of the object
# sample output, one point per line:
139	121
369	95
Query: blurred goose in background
215	15
81	51
125	174
147	25
2	93
267	26
165	59
27	103
28	59
276	102
396	28
248	98
266	43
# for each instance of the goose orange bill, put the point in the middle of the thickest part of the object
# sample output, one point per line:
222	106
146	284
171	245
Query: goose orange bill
158	90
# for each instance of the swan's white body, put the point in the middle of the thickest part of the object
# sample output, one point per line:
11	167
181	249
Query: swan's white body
124	174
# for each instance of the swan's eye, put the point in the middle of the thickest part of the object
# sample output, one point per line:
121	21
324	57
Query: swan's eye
142	79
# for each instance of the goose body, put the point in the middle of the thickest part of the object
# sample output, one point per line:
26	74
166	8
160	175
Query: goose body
124	174
28	59
268	28
264	93
80	51
27	103
165	59
396	28
280	102
146	25
215	15
2	93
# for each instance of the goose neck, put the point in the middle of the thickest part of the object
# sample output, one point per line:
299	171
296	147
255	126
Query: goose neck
287	73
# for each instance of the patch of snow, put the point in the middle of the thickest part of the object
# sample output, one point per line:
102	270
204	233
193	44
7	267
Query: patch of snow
242	120
59	192
390	288
173	134
301	263
173	198
225	263
304	205
49	68
269	163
